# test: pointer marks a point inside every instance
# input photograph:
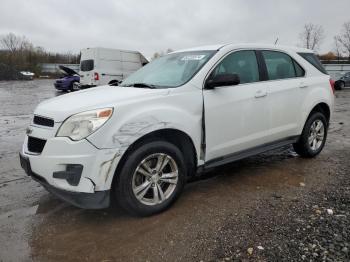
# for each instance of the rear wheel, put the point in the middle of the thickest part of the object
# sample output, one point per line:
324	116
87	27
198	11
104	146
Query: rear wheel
151	179
313	137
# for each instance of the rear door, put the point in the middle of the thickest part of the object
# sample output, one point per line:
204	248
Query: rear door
236	117
86	71
87	65
110	65
131	63
284	87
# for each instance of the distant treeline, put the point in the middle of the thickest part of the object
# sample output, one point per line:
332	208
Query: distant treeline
19	53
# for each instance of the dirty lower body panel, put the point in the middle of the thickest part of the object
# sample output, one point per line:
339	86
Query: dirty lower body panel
96	200
75	171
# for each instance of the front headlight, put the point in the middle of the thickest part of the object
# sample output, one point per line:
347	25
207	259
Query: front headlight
81	125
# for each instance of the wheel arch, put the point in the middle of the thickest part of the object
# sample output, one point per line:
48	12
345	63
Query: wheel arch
177	137
319	99
322	108
113	81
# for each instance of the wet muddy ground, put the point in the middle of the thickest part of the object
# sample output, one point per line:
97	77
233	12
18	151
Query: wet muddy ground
271	207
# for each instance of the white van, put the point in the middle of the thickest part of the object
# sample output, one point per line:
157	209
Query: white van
102	66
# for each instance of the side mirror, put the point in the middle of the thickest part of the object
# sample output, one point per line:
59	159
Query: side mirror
222	80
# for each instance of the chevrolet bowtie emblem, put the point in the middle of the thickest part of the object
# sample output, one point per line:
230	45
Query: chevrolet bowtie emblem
29	131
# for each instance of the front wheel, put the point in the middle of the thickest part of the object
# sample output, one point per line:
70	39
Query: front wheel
151	179
71	87
313	137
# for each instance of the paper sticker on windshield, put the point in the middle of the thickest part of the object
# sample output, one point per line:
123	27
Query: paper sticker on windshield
192	57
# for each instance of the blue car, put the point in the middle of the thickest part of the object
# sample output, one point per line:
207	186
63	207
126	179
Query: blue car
66	82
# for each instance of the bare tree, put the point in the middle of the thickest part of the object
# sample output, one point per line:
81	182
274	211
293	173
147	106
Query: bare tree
14	43
344	38
312	36
19	53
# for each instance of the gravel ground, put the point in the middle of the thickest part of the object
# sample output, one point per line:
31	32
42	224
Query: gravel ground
272	207
310	226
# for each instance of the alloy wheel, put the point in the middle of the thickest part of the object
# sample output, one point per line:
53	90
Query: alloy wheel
155	179
316	135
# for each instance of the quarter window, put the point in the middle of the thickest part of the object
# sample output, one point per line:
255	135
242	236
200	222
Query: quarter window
299	71
242	63
312	59
281	66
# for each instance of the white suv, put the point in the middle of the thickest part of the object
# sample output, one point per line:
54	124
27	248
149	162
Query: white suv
184	113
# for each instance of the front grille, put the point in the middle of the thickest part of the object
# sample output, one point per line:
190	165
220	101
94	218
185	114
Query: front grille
36	145
43	121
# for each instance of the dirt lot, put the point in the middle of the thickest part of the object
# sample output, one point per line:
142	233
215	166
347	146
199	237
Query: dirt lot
272	207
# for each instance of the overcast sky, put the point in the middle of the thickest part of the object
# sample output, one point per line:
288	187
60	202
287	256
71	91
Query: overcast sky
155	25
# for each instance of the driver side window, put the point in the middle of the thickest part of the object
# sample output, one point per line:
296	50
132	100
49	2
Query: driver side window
242	63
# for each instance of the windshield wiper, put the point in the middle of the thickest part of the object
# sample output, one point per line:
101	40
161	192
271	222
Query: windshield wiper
142	85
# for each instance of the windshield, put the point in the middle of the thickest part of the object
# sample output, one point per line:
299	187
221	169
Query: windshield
172	70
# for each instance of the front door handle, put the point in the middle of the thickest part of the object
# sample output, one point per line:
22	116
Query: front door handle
303	85
260	93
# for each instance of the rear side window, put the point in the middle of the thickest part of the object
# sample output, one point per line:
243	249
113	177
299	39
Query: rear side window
242	63
87	65
312	59
281	66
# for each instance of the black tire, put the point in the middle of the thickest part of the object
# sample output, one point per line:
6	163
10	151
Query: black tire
340	85
124	185
302	147
113	83
71	89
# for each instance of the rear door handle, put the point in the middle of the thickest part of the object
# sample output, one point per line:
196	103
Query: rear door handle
260	93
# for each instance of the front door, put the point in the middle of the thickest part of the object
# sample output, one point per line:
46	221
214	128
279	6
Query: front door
236	117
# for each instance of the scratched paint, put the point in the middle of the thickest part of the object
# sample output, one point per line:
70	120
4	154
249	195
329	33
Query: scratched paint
107	167
131	131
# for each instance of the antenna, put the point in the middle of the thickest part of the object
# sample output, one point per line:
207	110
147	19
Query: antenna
276	41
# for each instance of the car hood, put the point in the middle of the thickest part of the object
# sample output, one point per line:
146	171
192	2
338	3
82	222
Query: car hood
67	71
66	78
61	107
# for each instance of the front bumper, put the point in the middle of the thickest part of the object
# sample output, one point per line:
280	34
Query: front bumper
97	200
76	171
62	85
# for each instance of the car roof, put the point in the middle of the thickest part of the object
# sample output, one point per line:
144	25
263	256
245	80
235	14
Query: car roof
247	45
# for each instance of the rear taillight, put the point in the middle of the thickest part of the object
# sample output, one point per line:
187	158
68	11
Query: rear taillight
96	76
332	83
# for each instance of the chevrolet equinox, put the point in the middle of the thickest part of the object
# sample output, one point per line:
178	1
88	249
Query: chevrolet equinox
182	114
